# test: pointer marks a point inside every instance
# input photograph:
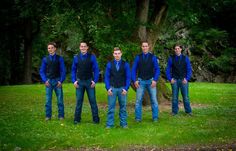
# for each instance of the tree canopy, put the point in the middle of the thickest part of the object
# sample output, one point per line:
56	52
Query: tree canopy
205	28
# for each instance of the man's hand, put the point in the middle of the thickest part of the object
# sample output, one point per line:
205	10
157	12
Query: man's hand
154	84
76	84
172	81
185	81
58	84
109	92
47	84
136	84
124	92
92	84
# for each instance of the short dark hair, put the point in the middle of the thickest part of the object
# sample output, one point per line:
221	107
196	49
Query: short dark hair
52	43
178	45
83	42
144	41
117	49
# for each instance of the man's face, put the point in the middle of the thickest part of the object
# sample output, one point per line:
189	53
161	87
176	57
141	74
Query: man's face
83	48
51	49
117	55
178	50
145	47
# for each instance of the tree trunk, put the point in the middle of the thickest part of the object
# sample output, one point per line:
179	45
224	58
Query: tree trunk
28	52
142	18
150	34
15	66
156	20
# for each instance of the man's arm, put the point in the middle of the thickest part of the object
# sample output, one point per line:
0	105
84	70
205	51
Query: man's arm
128	76
62	70
95	68
168	69
134	68
189	69
74	69
107	76
156	68
42	70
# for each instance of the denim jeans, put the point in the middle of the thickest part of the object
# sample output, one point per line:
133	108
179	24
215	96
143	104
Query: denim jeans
112	105
86	85
59	94
175	96
143	85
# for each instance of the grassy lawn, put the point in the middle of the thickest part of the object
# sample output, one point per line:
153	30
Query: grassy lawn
22	124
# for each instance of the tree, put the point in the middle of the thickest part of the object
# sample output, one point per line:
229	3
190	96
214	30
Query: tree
200	25
30	15
10	39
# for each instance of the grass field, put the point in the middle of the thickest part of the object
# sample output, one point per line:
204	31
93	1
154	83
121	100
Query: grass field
22	124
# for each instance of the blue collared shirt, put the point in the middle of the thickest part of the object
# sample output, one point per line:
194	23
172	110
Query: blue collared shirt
43	68
188	68
94	66
135	67
108	73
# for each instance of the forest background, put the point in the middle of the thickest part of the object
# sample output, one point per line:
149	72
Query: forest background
206	29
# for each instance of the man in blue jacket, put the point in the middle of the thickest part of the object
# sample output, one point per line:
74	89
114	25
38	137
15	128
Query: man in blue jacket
179	72
53	73
146	65
84	75
117	80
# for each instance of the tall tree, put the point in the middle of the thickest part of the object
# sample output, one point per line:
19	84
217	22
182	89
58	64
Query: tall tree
30	14
10	40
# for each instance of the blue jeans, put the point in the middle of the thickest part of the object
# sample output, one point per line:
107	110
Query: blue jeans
86	85
143	85
175	96
112	105
59	94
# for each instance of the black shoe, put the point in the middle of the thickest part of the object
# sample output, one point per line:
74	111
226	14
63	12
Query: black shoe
173	114
47	119
61	118
108	127
155	121
190	114
76	122
96	122
125	127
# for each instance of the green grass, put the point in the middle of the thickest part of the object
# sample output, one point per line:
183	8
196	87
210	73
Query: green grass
22	122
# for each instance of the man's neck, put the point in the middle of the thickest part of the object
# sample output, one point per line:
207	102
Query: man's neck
52	54
117	60
178	54
83	53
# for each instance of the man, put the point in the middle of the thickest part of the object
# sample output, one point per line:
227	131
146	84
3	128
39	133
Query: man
117	80
146	65
179	72
53	73
84	75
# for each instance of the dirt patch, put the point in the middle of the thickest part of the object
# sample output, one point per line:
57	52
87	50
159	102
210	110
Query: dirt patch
165	106
216	147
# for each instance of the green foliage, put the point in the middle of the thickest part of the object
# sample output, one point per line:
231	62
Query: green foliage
31	8
206	28
202	27
225	63
213	45
22	124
